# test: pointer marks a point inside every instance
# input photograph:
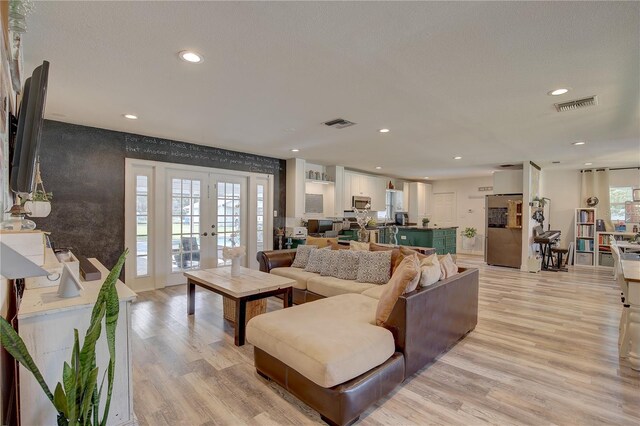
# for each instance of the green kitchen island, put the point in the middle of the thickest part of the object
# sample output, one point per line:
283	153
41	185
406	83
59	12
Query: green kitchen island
441	239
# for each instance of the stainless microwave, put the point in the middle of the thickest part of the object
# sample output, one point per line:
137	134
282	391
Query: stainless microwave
361	203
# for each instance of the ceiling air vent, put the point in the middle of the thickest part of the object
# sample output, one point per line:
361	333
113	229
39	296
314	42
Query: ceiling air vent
339	123
577	104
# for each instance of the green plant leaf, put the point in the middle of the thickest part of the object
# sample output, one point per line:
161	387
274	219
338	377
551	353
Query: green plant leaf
14	344
88	352
112	303
60	400
69	382
90	386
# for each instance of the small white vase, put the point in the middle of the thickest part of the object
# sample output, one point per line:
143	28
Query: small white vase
468	243
235	266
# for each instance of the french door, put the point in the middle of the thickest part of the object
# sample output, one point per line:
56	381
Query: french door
182	217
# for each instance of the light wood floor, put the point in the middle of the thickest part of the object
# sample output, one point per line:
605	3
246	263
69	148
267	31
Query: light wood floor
544	352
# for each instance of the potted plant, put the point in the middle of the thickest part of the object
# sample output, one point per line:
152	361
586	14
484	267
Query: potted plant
40	203
468	238
425	222
77	396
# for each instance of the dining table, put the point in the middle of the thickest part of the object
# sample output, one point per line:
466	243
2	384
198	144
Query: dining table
627	246
630	264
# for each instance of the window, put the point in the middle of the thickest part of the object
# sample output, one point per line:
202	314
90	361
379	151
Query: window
229	218
142	225
260	218
618	195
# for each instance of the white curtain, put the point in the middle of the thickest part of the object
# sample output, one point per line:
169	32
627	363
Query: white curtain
595	183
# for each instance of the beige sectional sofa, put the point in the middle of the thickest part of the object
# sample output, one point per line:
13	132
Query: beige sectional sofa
331	354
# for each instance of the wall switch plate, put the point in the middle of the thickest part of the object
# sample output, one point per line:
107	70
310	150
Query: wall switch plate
275	213
403	237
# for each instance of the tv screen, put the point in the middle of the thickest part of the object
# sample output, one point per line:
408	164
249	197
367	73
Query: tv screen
27	142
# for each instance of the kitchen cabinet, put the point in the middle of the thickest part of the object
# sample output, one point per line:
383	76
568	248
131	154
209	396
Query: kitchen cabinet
420	201
443	240
356	184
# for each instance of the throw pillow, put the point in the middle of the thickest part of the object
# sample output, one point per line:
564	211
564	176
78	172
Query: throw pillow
348	261
408	252
329	266
429	271
316	259
374	267
358	246
321	242
448	267
407	272
395	254
302	256
338	246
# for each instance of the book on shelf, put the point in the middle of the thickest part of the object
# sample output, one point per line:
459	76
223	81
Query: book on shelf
585	245
586	216
585	231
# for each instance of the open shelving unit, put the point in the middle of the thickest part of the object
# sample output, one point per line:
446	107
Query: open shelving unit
585	241
603	246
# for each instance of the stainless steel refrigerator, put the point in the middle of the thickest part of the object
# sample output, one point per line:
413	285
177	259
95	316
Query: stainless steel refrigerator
503	244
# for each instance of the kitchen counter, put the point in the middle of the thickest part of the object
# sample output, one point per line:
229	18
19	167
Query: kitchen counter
443	239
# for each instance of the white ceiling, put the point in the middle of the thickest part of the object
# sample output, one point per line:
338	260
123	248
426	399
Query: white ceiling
468	79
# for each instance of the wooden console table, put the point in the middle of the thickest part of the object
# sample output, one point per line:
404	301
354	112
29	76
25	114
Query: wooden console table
46	323
248	286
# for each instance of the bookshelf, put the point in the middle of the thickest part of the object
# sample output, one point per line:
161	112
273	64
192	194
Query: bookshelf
585	237
603	255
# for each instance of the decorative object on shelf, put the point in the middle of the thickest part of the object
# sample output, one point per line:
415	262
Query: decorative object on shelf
468	238
18	220
363	216
592	201
39	205
318	175
78	400
390	185
425	222
69	284
234	254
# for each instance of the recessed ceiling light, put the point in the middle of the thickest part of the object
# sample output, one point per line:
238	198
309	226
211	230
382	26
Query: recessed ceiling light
190	56
130	116
588	164
295	150
578	143
426	177
558	92
378	167
384	130
457	158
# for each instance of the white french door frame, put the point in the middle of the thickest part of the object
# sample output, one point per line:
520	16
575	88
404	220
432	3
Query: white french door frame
159	217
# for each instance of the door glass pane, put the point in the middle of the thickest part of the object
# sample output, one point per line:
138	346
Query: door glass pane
229	217
185	224
260	217
142	223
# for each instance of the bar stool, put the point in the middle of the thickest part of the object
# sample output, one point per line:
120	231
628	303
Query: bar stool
559	252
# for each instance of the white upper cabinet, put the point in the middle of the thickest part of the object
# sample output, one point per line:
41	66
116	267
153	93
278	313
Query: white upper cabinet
420	201
359	185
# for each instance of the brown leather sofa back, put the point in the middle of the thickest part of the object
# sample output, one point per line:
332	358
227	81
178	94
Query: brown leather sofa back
275	259
428	321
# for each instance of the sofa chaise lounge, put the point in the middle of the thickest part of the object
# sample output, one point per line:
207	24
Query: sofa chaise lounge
332	356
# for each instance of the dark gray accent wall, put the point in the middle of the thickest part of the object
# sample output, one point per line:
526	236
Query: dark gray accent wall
84	168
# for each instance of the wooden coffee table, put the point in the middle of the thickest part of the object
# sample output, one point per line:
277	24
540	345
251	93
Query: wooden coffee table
249	285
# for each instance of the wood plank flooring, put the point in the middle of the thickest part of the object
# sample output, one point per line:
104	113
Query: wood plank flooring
544	352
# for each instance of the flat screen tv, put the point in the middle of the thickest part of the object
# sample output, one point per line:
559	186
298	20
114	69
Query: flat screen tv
27	140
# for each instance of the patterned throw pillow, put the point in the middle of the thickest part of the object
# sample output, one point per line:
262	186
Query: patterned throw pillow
302	256
374	267
316	259
348	261
329	267
430	271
